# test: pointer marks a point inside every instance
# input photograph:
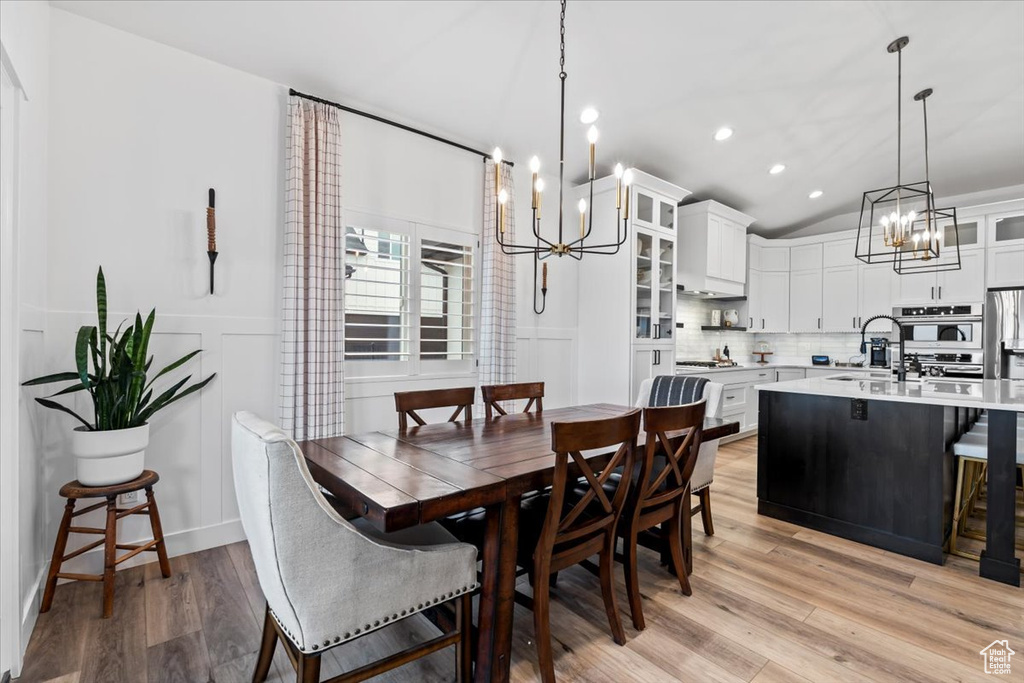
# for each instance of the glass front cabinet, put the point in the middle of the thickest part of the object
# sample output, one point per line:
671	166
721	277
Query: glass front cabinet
654	285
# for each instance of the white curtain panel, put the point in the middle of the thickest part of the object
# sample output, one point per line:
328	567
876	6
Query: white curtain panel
313	345
498	286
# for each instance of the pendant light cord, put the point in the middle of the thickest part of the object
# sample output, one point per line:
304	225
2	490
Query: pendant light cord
561	132
899	116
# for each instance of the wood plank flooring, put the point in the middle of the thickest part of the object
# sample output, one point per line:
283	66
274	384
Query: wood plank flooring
771	603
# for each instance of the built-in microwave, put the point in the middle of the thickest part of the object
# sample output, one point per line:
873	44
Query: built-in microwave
940	327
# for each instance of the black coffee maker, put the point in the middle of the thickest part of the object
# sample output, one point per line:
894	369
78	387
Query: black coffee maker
879	352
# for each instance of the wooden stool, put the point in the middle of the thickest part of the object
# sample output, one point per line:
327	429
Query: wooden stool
73	491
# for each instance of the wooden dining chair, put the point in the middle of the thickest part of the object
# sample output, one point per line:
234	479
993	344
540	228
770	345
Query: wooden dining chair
408	402
661	494
569	525
494	393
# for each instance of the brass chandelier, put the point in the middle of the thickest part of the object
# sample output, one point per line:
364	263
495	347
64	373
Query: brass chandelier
564	245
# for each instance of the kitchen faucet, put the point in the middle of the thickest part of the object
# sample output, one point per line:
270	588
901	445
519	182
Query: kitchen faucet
901	371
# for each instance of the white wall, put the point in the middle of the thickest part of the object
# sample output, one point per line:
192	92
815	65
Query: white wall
24	36
138	132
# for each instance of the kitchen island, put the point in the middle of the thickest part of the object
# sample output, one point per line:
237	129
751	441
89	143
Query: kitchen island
871	460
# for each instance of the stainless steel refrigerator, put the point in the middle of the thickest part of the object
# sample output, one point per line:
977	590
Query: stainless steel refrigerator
1004	333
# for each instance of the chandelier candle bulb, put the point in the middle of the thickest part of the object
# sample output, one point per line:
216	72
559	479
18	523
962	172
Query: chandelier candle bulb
538	189
618	186
534	168
592	139
502	199
496	156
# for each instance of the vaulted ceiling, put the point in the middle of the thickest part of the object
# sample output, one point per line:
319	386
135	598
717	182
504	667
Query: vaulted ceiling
806	84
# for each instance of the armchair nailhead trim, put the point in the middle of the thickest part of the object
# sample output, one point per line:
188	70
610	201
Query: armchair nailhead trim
385	619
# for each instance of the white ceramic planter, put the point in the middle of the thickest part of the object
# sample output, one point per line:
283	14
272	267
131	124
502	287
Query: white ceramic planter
113	457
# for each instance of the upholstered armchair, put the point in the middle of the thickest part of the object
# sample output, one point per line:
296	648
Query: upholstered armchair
704	471
328	581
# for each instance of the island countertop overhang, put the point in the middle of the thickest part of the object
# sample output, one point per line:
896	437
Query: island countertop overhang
989	394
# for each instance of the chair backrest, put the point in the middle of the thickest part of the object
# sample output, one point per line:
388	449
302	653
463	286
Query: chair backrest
285	518
493	393
712	394
408	402
578	530
661	483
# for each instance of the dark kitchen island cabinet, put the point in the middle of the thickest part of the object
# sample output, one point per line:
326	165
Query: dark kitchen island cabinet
872	461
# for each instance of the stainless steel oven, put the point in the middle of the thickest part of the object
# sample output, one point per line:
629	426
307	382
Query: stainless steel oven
931	328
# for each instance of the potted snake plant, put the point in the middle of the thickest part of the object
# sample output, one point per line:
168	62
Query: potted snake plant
111	448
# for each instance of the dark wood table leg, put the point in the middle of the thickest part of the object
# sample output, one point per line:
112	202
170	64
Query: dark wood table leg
997	559
497	594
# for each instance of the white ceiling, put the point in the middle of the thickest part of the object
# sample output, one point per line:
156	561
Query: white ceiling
806	84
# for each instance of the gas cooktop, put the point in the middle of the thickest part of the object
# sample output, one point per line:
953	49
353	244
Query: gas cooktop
698	363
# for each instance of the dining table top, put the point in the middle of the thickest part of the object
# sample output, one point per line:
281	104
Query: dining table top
397	479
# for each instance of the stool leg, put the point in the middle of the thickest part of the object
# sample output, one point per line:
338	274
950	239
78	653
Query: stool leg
59	546
958	507
158	534
109	557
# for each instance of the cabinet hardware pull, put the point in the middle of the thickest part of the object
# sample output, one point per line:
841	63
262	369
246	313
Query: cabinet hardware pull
855	321
933	293
819	323
730	397
762	323
940	292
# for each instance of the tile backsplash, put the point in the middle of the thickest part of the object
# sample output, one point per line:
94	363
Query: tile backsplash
692	343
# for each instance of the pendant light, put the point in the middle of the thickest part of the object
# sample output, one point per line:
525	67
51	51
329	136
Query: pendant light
890	217
926	242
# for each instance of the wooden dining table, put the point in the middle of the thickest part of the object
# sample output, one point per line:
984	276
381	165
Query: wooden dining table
398	479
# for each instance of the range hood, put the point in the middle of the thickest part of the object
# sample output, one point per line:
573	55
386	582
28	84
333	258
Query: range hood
683	292
712	253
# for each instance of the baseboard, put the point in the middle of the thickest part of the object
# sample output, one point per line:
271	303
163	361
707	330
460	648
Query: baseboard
29	613
178	543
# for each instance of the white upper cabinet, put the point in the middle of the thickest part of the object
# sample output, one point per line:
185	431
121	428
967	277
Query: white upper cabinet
805	257
768	302
653	211
805	300
775	259
875	285
713	248
1006	267
839	253
1006	229
839	294
966	285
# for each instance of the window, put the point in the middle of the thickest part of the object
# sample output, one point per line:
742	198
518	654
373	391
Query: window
409	298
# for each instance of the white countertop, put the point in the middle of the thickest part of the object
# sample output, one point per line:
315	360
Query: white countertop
990	394
688	370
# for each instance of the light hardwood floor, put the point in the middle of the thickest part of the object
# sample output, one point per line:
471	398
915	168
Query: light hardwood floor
771	602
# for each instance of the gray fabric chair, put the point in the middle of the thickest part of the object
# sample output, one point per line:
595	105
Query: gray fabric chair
328	581
704	472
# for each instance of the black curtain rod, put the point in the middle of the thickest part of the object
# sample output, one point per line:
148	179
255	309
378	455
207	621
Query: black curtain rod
380	119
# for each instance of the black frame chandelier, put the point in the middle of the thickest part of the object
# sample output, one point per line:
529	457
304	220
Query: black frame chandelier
904	215
574	247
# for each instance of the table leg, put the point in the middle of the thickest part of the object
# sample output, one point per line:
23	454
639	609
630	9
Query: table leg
497	595
997	559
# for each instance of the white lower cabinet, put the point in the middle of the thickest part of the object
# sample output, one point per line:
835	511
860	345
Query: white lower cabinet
650	361
787	374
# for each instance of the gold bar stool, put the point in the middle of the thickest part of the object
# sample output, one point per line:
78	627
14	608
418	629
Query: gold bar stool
74	491
972	452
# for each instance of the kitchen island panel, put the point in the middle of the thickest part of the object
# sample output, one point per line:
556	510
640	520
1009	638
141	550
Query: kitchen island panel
886	481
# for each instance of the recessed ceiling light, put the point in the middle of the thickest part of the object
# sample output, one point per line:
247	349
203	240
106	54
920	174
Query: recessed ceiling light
723	133
815	194
589	115
777	169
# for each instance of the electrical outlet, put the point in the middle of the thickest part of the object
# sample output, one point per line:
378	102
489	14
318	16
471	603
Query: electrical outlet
131	498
